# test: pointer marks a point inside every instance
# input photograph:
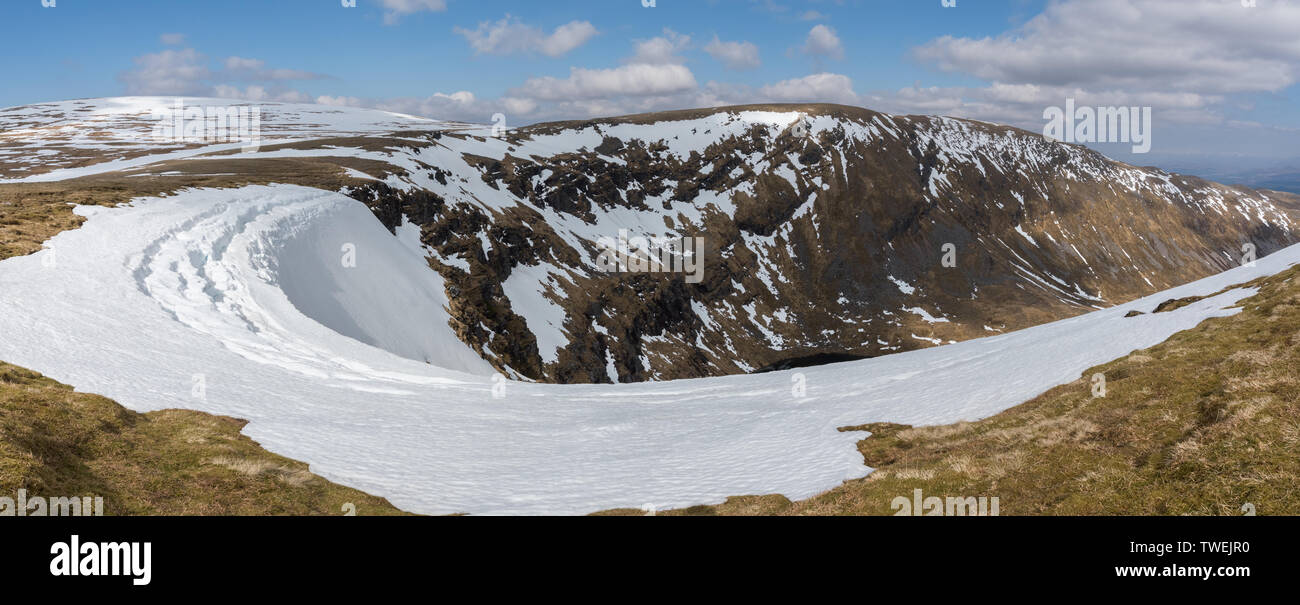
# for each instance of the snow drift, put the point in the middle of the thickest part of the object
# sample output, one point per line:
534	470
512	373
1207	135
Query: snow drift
236	302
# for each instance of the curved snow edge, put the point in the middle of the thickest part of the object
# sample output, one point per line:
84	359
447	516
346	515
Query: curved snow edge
182	302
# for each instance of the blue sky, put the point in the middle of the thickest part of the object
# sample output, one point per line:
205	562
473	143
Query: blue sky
85	44
1221	77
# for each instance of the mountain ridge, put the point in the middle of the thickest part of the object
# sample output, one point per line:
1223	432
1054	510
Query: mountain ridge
831	243
586	195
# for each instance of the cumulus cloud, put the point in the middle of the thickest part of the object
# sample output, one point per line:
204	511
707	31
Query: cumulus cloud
638	79
240	63
816	88
1206	46
396	9
257	94
653	77
1194	61
661	50
510	36
255	69
1184	58
567	37
188	72
823	42
734	55
606	95
170	72
462	106
1023	104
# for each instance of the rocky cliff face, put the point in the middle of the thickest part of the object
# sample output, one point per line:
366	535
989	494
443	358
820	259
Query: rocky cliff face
827	232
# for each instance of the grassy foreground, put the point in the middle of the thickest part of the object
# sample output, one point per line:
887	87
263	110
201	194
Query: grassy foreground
55	442
1205	423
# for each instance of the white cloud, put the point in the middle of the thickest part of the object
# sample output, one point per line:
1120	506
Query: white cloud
517	106
258	94
652	78
510	36
170	72
608	95
255	69
240	63
340	101
1206	46
1022	104
461	106
638	79
1194	61
187	72
172	39
816	88
1184	58
662	49
568	37
734	55
822	42
398	8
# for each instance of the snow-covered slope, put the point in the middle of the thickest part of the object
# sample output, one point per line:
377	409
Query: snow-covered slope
67	139
224	300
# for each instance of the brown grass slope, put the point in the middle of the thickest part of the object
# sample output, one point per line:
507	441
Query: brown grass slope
1201	424
31	213
55	442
